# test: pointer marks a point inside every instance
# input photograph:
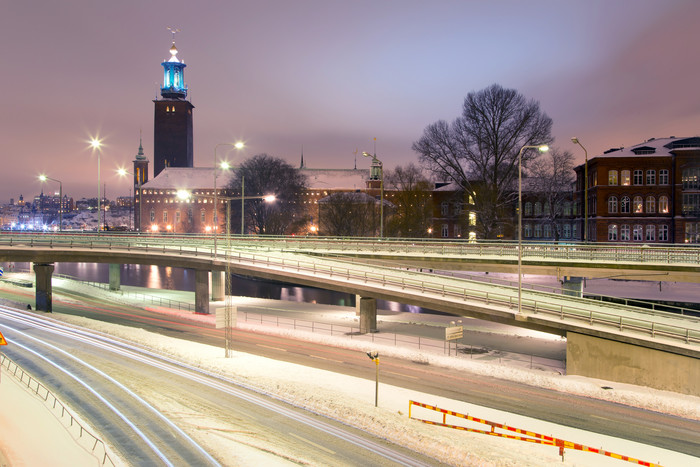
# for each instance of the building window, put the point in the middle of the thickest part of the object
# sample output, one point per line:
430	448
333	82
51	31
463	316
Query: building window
472	218
574	231
651	177
444	209
538	209
663	233
638	205
650	233
663	204
177	217
651	205
624	233
153	215
528	208
538	231
457	231
445	230
691	178
547	231
612	205
625	177
165	217
527	231
567	230
612	177
567	208
638	177
691	204
203	216
625	205
612	233
637	233
663	177
692	232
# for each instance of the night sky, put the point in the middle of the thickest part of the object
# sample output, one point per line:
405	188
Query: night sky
329	76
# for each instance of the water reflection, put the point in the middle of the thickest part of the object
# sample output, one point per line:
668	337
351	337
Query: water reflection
170	278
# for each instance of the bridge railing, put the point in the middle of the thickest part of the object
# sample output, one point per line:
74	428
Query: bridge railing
390	278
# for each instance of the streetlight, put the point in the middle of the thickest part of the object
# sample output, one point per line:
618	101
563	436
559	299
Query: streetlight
123	172
97	145
541	148
43	178
224	166
378	170
585	189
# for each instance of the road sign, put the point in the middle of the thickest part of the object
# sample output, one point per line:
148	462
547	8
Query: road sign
454	332
1	272
2	340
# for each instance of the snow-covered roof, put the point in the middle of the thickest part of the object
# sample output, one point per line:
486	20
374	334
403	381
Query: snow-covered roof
336	179
201	178
189	178
654	147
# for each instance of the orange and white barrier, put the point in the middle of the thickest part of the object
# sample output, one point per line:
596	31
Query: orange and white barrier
529	436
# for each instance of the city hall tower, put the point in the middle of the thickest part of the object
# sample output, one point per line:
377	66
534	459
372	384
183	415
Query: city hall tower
172	129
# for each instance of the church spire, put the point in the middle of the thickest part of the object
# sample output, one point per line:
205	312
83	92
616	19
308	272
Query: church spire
174	86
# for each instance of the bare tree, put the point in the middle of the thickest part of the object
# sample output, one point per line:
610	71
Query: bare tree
411	195
348	214
552	175
479	150
266	175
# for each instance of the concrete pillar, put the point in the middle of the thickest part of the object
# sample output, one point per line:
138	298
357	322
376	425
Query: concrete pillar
368	314
43	272
572	286
114	276
217	286
599	358
201	291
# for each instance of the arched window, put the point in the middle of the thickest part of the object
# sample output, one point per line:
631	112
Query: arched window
528	208
624	233
638	205
612	177
153	215
650	233
527	231
203	216
625	205
625	175
165	217
612	205
538	209
663	204
637	233
651	205
612	233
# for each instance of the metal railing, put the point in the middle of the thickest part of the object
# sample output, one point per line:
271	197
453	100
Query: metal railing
452	291
95	445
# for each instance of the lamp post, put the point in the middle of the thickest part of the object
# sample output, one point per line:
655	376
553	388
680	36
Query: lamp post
97	145
585	189
374	356
43	178
123	172
224	166
541	148
377	166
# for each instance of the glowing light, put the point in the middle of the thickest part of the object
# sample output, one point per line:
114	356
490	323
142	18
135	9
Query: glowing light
154	228
270	198
96	143
169	227
183	194
207	228
239	145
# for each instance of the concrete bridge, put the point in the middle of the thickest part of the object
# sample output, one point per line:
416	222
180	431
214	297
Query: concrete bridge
605	341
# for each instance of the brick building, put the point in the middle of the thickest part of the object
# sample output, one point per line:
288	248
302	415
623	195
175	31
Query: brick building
647	193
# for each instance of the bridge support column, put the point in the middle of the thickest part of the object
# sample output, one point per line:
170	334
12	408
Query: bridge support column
599	358
217	286
201	291
44	293
114	276
368	315
572	286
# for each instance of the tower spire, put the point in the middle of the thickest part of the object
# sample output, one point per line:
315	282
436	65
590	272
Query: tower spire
174	86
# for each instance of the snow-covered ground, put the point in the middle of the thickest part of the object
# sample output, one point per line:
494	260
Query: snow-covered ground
351	400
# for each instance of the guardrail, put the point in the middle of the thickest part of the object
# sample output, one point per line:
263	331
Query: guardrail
522	435
459	291
98	448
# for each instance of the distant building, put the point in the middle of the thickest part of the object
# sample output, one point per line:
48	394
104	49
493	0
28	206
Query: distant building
647	193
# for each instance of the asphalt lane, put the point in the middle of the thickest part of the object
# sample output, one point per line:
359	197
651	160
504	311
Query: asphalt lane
585	413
